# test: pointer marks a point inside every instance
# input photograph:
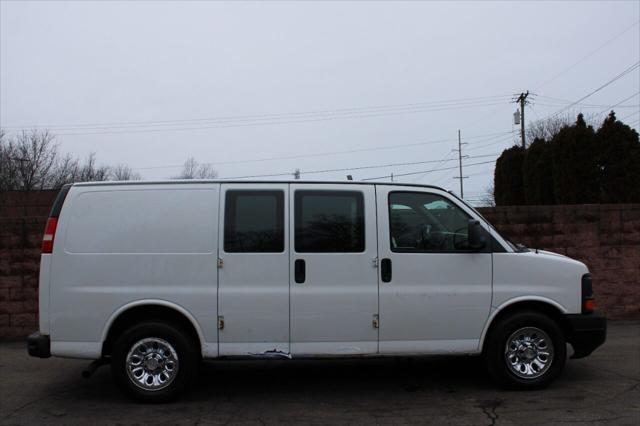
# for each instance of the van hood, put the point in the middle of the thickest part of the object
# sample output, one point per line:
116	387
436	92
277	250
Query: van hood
557	257
551	253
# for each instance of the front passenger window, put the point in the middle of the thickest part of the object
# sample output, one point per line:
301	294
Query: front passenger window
422	222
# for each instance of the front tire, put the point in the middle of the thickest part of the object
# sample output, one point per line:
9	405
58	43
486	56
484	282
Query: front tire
525	351
154	361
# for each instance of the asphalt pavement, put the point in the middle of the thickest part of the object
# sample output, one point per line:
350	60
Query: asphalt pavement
603	389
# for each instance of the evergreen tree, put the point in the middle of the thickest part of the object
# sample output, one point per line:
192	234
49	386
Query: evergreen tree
574	164
508	184
619	162
538	174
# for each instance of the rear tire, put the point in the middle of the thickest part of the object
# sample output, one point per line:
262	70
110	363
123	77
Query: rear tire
155	361
525	351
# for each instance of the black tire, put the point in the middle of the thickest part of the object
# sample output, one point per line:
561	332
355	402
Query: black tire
495	351
182	343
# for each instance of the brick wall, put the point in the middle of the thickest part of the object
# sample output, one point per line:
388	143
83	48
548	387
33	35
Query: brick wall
22	219
19	261
605	237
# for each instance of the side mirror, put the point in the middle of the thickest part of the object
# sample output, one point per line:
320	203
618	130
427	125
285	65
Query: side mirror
476	235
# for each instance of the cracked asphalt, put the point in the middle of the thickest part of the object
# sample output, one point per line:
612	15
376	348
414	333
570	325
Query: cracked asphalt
601	389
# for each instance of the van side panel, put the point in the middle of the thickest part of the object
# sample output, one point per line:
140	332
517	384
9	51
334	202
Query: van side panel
121	244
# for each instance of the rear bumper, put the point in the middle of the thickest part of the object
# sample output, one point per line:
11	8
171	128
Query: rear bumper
39	345
586	333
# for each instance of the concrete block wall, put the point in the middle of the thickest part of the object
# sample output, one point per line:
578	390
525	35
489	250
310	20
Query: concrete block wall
606	237
20	240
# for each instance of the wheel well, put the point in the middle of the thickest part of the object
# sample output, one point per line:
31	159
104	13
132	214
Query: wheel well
141	313
531	305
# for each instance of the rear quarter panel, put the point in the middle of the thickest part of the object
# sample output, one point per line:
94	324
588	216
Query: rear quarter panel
116	245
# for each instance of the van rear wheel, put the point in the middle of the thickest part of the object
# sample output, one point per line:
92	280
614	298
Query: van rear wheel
524	351
154	361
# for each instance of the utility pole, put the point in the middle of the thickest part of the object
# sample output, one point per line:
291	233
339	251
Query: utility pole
522	99
296	174
460	164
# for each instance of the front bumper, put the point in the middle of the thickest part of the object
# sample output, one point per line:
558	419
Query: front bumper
39	345
586	332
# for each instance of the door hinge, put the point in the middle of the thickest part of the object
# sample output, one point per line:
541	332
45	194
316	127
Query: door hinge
374	262
220	322
376	321
220	263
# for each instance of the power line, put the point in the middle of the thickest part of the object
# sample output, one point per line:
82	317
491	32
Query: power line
448	174
425	171
620	102
484	137
508	138
606	43
593	92
630	115
266	123
557	102
408	107
376	166
443	160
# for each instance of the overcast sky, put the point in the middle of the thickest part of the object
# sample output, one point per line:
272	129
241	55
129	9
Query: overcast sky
149	84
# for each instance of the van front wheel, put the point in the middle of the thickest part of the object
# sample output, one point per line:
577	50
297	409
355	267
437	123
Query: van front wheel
154	361
526	350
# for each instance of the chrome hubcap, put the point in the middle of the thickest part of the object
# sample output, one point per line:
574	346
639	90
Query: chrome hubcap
529	352
152	363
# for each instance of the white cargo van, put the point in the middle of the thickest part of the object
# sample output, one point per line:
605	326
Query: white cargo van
153	277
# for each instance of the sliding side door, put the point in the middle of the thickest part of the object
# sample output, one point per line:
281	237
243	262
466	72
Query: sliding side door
334	285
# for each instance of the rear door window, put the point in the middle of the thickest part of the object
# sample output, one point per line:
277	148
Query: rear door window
254	222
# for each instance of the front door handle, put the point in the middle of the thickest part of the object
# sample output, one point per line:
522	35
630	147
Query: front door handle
385	270
300	271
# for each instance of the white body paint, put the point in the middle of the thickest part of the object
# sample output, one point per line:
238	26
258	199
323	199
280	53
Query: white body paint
118	246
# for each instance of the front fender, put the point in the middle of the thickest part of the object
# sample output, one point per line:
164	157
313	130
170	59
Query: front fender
495	311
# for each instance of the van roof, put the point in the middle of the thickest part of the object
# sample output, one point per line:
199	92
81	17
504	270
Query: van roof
197	181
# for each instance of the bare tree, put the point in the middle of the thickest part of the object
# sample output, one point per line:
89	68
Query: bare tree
194	170
547	128
31	161
27	160
8	166
487	199
65	171
124	172
90	172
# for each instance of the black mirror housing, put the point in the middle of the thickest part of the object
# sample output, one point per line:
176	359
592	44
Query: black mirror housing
476	235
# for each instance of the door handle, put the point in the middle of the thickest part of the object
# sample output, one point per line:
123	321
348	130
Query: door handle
385	270
300	271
